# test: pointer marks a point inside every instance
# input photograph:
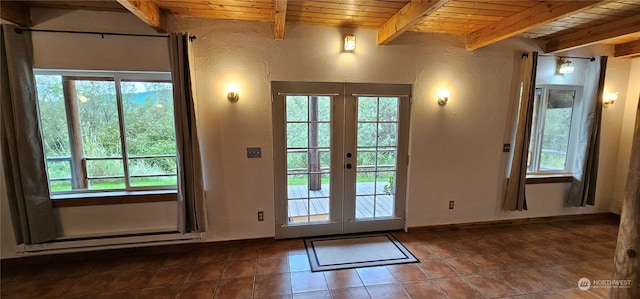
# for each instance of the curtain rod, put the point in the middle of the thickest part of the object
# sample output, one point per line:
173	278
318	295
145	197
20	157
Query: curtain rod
572	57
20	30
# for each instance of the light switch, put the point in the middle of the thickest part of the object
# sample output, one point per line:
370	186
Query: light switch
254	152
506	147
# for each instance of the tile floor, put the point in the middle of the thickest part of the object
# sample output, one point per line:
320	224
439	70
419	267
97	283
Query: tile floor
521	261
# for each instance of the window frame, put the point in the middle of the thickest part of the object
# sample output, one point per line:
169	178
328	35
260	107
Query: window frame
538	125
117	77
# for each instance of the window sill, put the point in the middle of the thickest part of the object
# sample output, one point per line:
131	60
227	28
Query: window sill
111	198
533	179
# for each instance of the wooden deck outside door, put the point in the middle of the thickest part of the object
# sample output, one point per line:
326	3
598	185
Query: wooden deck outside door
340	157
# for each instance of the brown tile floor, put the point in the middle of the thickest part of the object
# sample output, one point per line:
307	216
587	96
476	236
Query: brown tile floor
521	261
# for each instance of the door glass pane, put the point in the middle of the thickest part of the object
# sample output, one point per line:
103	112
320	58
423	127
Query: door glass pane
324	108
297	134
387	133
365	182
557	126
384	206
387	158
297	161
297	186
366	159
367	109
297	108
376	147
308	158
367	133
324	134
389	109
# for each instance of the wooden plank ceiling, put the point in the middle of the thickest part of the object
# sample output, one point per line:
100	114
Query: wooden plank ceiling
560	25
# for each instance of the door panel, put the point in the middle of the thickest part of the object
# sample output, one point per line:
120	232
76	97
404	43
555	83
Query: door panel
336	154
377	131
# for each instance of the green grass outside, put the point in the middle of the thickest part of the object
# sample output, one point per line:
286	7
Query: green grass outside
109	184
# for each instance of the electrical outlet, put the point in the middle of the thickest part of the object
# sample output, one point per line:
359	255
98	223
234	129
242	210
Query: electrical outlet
451	205
506	147
260	215
254	152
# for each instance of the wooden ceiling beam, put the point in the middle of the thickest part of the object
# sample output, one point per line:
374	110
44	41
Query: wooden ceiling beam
533	17
593	35
629	49
148	12
17	13
410	14
280	19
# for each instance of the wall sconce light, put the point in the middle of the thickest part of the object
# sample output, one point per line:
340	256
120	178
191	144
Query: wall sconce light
444	97
564	66
610	99
232	95
349	42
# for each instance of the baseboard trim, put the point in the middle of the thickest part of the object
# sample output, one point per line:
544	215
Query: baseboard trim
506	222
188	245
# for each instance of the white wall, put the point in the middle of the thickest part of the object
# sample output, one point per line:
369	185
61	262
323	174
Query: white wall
628	104
95	52
456	150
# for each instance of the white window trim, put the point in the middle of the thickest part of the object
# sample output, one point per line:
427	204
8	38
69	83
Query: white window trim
536	133
118	76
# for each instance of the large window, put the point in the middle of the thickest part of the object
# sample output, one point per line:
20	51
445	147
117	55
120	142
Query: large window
552	133
107	131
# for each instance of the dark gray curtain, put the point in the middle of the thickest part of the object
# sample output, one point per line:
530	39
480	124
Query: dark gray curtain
22	151
585	166
190	183
515	196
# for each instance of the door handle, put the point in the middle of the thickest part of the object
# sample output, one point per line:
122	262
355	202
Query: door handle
348	166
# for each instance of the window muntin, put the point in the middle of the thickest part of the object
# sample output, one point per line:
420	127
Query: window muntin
125	125
552	131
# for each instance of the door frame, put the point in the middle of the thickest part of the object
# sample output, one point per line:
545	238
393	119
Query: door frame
345	94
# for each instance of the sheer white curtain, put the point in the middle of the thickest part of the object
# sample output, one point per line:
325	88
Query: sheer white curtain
22	151
585	166
515	198
191	198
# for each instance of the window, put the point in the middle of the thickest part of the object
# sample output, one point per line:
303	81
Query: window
555	119
106	131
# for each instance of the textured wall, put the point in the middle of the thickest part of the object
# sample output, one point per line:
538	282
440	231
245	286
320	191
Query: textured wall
455	150
628	103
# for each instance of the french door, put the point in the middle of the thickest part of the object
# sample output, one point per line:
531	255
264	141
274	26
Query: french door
340	155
